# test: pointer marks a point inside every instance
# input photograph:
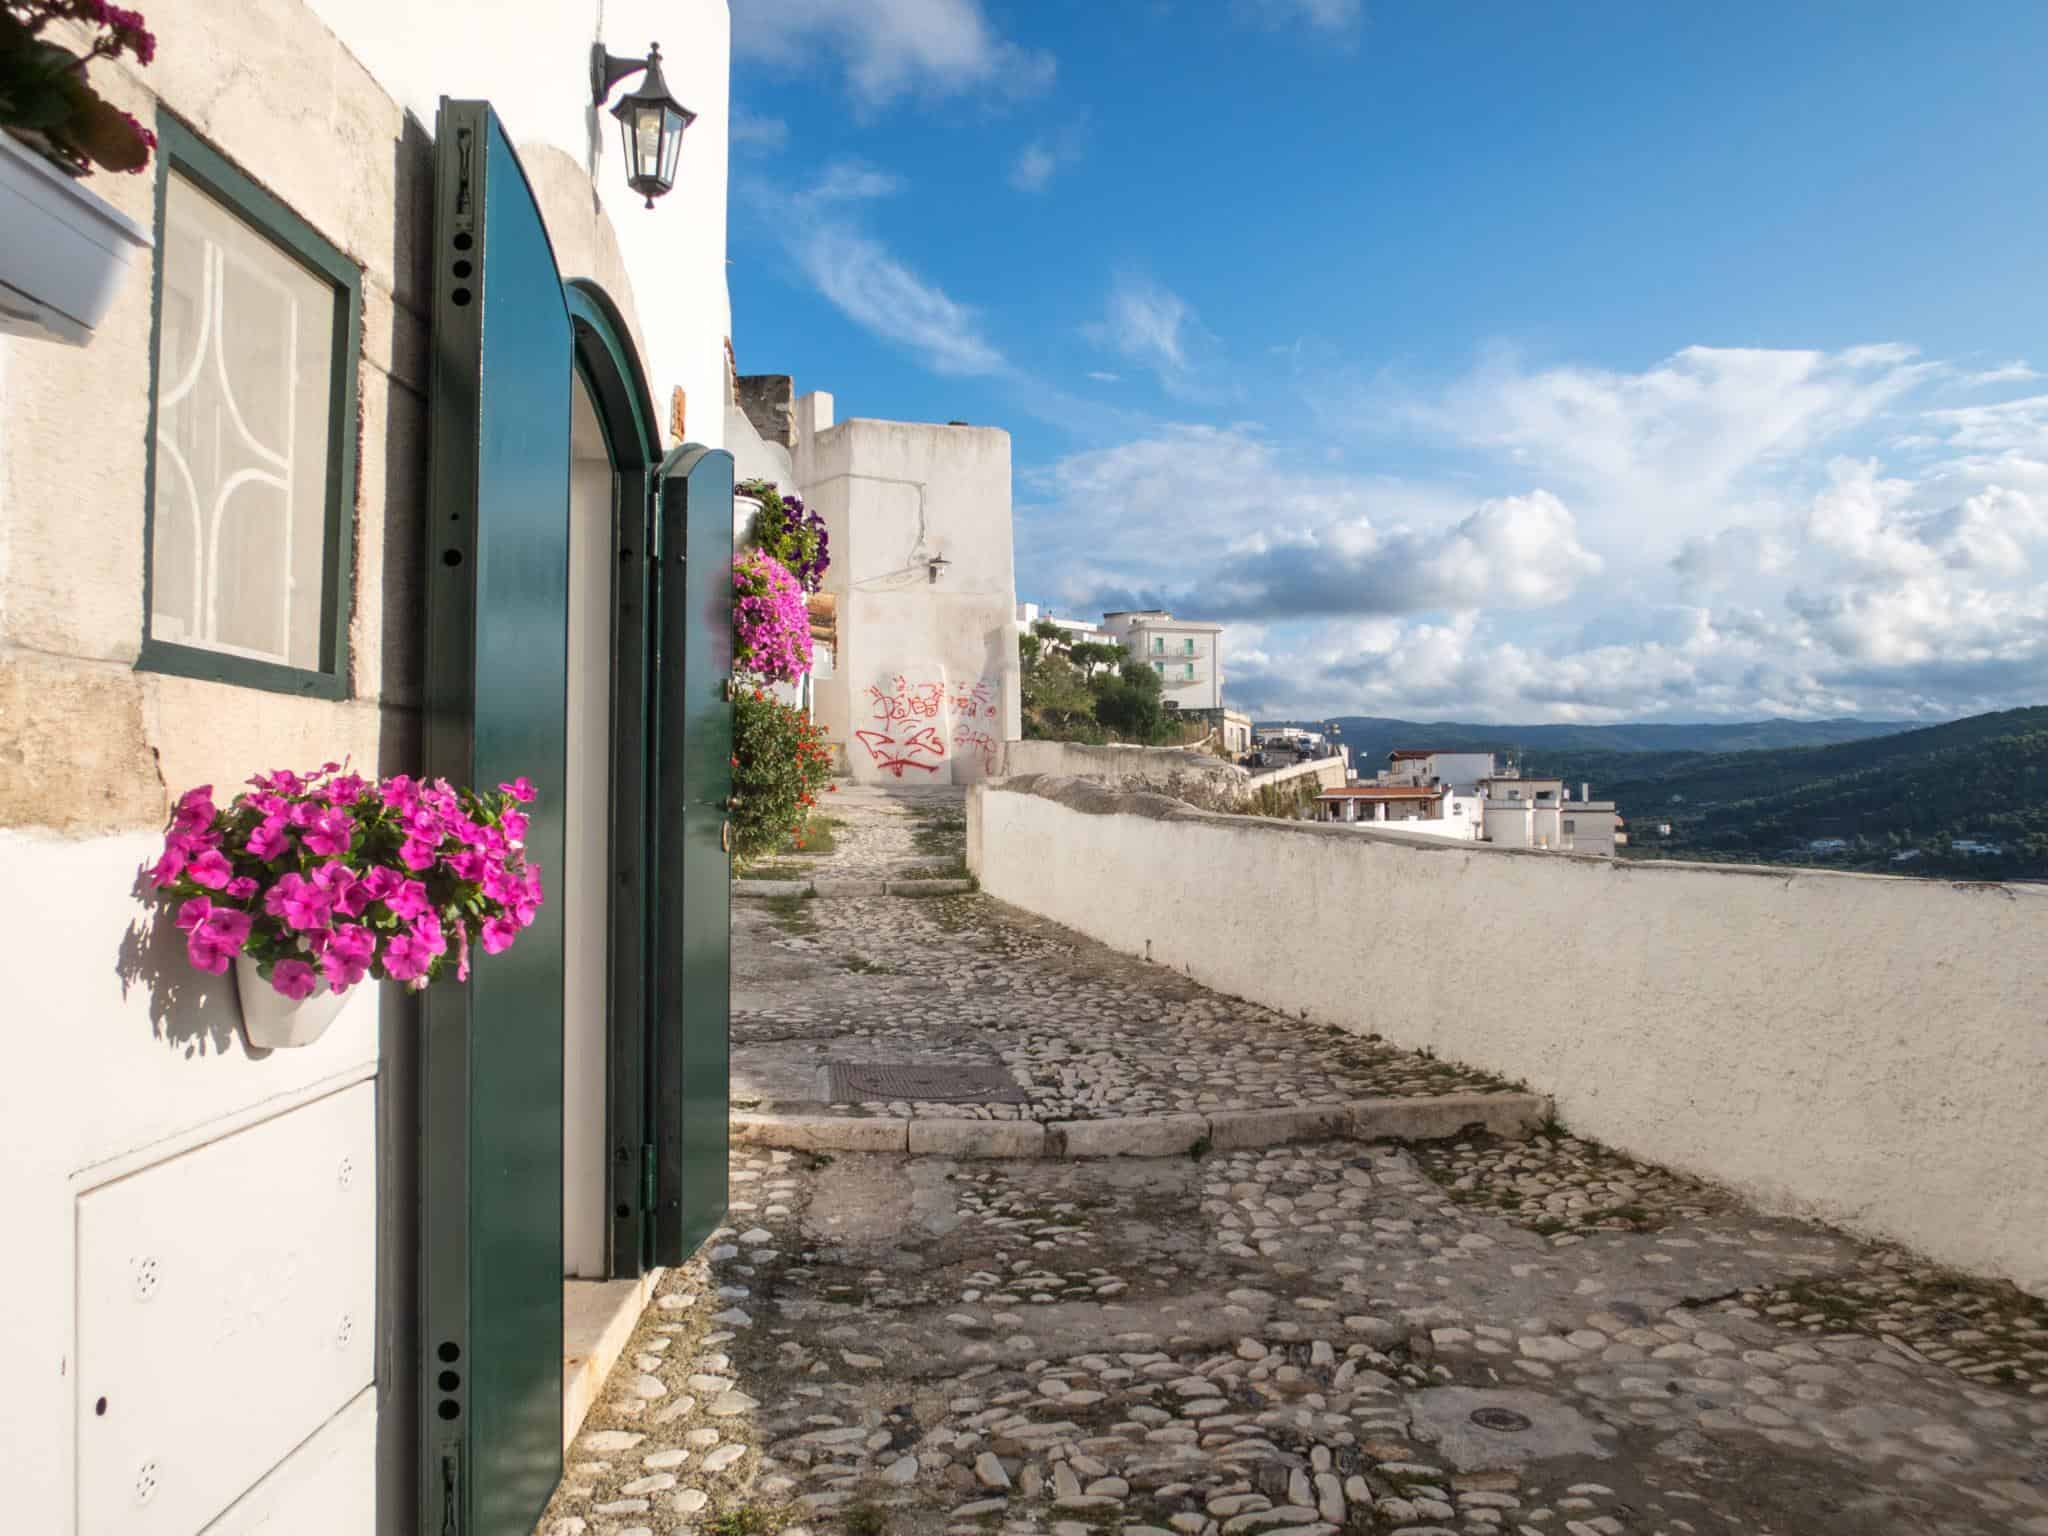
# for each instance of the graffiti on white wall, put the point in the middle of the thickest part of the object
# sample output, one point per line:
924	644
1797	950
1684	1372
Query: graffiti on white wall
919	724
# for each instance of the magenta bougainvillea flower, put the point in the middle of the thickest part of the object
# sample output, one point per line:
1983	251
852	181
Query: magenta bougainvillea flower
327	879
771	628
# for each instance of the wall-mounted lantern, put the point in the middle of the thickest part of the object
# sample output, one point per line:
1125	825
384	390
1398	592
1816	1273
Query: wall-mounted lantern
650	120
937	566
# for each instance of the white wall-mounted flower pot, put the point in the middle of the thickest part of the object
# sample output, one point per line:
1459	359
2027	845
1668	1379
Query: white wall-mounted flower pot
63	249
275	1022
744	510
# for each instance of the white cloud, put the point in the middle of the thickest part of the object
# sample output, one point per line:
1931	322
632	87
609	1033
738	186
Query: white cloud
1101	377
1665	451
753	128
888	48
857	273
2019	426
1320	15
2014	372
1150	325
1712	550
850	181
1033	168
879	293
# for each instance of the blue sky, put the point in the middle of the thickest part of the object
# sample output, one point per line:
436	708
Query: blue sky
1481	361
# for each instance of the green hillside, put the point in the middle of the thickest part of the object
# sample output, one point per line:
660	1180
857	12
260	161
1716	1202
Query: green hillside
1917	793
1372	737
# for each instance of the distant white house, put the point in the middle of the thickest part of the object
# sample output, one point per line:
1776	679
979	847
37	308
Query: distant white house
1029	617
1186	653
1464	796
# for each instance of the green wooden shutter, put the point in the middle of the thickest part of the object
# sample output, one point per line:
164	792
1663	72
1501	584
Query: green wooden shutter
692	991
496	689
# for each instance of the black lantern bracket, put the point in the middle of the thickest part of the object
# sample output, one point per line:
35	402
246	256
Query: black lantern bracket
607	69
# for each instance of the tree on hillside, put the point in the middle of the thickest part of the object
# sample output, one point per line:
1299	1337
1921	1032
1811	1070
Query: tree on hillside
1128	702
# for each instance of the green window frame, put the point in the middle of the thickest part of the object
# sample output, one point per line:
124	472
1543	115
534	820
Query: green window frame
1188	646
179	149
1158	645
1191	671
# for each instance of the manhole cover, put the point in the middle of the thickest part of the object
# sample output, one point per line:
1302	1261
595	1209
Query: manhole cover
1506	1420
932	1082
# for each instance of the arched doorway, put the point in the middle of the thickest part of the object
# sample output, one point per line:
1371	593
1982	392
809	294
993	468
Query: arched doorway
613	454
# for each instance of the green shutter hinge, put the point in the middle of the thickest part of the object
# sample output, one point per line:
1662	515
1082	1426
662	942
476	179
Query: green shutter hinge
647	1199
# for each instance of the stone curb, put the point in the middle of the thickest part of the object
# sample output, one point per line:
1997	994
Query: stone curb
1503	1114
851	887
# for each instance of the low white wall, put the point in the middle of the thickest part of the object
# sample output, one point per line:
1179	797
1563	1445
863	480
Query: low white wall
1326	771
1868	1051
1186	775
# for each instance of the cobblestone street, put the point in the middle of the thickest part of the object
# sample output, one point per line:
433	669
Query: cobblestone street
1540	1337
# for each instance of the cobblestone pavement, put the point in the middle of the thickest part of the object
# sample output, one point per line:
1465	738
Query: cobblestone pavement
1542	1338
1312	1340
1086	1032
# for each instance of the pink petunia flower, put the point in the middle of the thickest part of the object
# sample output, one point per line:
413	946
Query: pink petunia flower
168	868
514	823
348	955
498	934
216	939
301	903
330	833
405	958
193	912
269	840
520	789
241	888
294	978
211	870
195	812
417	855
409	900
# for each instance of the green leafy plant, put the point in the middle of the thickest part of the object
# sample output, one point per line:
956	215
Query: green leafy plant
783	530
779	765
45	98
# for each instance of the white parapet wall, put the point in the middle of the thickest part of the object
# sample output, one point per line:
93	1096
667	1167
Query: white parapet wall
1867	1051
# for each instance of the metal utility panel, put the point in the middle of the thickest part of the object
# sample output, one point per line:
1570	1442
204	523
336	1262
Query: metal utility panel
226	1308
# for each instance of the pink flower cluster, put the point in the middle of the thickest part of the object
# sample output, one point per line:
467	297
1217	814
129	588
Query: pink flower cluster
331	877
771	627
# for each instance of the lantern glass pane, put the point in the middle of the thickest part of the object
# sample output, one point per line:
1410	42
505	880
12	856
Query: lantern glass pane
671	143
647	140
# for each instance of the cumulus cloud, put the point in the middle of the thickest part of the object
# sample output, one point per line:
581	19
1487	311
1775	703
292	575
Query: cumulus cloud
1511	552
1665	450
888	48
1032	170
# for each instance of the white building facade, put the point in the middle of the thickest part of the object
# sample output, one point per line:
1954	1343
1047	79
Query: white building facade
214	1321
1186	654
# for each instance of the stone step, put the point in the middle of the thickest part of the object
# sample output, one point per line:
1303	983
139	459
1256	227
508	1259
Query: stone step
826	886
1440	1118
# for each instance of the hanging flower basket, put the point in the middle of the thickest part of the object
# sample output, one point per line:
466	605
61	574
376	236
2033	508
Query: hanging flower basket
311	884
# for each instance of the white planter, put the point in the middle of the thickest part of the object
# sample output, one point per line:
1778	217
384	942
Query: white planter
744	510
63	249
273	1021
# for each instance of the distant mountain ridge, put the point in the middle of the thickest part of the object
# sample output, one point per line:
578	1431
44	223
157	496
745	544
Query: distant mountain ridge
1372	737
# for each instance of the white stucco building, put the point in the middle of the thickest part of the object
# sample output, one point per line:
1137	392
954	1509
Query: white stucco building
1187	654
224	1312
924	682
1077	631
